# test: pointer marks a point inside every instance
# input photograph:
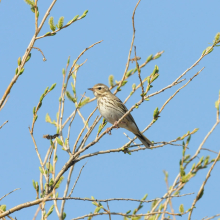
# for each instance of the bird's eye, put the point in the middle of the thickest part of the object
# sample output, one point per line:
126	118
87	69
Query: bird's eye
99	88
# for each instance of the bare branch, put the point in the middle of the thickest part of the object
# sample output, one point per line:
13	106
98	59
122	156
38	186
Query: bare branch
44	58
132	43
3	124
201	190
47	198
9	193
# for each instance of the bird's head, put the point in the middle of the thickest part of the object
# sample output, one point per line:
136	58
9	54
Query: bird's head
100	90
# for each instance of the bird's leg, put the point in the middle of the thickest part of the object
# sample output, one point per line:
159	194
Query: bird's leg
108	131
115	125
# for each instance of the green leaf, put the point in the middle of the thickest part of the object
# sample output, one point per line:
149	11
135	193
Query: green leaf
111	80
52	87
135	69
97	209
153	203
41	170
156	70
181	209
129	73
193	166
50	210
84	14
16	71
195	130
59	182
188	139
51	23
201	159
206	160
217	105
145	196
21	71
133	86
3	208
64	215
156	113
34	109
75	18
201	194
70	97
182	172
161	207
83	102
49	166
217	38
124	82
59	141
60	22
48	33
30	2
155	77
73	88
68	60
19	61
185	178
28	57
47	118
209	50
186	157
86	11
203	52
34	184
157	56
149	58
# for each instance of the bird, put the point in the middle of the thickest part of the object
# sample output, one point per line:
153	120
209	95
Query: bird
112	109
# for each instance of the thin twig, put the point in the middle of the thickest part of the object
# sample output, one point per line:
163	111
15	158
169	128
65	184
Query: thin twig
4	103
36	17
209	218
80	134
132	43
170	201
109	212
209	150
76	180
47	198
44	58
24	58
128	215
36	148
3	124
139	72
9	193
53	32
83	119
201	190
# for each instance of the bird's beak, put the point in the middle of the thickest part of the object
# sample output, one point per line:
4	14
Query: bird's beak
90	89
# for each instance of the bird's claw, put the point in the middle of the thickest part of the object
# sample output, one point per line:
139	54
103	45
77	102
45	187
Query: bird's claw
108	130
115	125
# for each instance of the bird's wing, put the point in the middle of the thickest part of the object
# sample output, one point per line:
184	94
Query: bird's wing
124	109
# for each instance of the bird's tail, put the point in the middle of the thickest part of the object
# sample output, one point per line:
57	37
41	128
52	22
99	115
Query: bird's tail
144	140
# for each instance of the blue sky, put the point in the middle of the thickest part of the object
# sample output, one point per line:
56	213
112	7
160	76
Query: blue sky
183	29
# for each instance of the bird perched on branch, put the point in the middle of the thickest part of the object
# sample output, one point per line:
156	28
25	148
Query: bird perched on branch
112	109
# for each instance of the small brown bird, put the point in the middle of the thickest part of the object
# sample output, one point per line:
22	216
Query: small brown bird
112	109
